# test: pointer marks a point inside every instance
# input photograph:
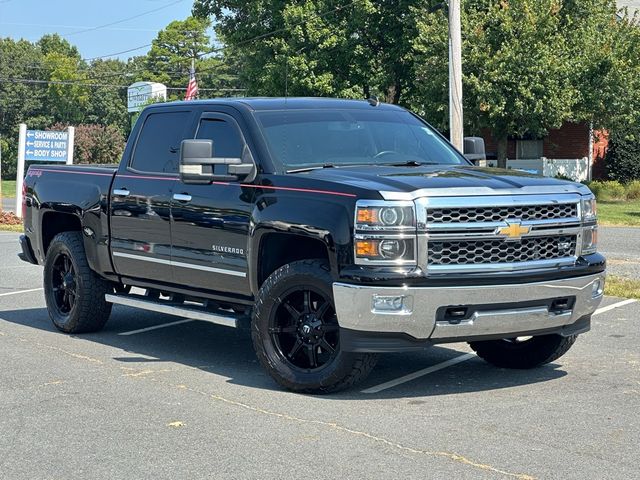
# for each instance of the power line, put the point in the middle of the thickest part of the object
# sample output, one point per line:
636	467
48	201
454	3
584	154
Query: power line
225	47
116	53
123	20
95	85
51	25
243	42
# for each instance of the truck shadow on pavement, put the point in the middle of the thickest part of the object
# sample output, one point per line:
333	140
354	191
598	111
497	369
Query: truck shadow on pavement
228	353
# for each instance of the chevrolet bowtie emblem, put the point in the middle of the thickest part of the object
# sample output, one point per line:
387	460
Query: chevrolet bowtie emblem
514	230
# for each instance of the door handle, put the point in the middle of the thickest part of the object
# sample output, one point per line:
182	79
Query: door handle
121	192
182	197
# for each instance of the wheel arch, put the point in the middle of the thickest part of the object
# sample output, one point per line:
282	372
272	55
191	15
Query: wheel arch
54	222
276	249
290	228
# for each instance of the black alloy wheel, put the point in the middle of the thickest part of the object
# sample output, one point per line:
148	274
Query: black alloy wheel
64	284
304	328
74	293
296	333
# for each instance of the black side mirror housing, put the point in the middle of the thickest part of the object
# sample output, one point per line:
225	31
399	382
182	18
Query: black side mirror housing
197	164
474	150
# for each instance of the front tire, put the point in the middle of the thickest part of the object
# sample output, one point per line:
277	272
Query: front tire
523	354
295	332
74	293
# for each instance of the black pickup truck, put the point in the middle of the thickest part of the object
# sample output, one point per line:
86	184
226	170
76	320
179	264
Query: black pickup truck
335	229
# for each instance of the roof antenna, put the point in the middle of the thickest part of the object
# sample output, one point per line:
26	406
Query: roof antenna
373	101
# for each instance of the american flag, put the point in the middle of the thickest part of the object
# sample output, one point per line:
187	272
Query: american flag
192	88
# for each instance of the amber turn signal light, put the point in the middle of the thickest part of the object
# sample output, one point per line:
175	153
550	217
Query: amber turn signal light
367	248
368	216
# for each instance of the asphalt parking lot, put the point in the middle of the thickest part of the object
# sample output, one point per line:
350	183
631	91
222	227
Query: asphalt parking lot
189	400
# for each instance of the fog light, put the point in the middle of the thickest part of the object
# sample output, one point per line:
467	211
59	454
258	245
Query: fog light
402	304
597	289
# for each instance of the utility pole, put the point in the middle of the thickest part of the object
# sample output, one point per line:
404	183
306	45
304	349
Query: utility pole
455	76
0	173
22	141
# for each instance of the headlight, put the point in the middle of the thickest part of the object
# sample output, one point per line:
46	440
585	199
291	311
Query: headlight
589	210
388	249
589	227
385	233
589	239
381	217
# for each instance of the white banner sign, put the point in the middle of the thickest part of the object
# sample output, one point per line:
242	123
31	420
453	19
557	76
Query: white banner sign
139	94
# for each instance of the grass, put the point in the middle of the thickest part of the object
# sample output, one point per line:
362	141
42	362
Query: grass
622	213
8	188
11	228
622	287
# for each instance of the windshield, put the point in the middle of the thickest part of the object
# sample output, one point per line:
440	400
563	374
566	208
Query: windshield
308	138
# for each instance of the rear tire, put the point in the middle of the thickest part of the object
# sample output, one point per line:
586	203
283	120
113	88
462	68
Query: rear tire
74	293
531	353
295	332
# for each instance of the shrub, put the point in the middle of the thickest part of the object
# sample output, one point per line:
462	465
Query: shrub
633	190
607	191
96	143
9	218
623	157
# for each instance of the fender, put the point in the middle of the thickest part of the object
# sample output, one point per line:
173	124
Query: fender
327	219
85	200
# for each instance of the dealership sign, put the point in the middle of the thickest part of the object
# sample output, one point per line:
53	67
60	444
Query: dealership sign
46	146
141	93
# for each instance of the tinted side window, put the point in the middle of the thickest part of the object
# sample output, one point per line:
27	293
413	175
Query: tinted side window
227	141
158	145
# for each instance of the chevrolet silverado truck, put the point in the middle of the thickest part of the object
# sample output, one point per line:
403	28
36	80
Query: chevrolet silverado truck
335	230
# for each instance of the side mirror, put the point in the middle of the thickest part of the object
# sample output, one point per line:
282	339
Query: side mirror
198	165
474	150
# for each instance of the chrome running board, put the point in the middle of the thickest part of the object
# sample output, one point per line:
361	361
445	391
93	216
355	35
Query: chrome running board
193	311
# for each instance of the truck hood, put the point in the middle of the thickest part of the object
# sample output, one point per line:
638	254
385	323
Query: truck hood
439	180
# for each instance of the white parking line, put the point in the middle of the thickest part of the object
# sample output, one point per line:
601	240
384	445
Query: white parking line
614	305
20	291
420	373
155	327
463	358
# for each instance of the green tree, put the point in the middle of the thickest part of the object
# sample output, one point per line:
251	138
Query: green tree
54	43
319	47
20	101
528	65
173	51
107	104
68	96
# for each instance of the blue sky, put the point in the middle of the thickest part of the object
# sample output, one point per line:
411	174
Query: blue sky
30	19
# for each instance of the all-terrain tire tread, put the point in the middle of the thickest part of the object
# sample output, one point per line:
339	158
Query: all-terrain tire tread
500	354
93	311
363	363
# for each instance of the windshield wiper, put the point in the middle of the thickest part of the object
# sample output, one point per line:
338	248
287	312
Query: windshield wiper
308	169
409	163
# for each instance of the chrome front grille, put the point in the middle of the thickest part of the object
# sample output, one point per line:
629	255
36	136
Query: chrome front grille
477	252
499	214
496	233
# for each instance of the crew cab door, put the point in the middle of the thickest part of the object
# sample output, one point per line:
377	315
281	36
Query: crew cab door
141	197
210	223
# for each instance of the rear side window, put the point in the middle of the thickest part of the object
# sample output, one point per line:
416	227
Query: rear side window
227	141
158	145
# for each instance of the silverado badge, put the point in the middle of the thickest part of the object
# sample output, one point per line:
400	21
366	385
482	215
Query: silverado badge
514	230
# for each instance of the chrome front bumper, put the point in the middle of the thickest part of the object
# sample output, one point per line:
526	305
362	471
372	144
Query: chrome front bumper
490	309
